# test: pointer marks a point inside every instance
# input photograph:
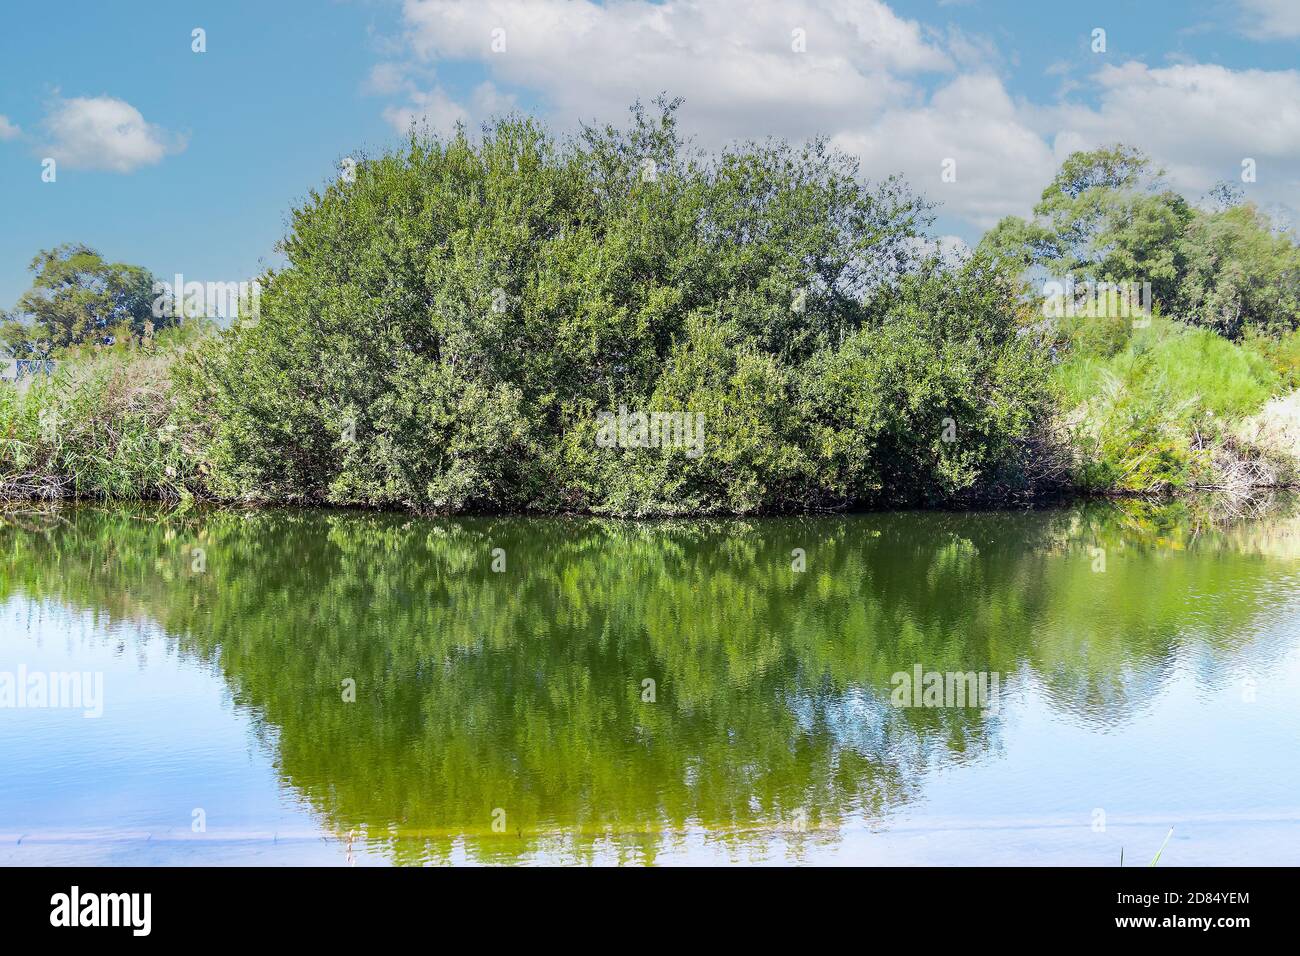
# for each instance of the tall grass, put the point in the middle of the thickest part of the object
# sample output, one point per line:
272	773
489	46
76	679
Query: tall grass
1169	359
104	426
1156	413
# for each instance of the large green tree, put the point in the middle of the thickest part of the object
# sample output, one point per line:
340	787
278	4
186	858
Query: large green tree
1108	217
453	320
1240	273
78	298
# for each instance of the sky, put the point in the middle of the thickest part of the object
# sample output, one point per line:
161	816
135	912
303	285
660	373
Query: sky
189	162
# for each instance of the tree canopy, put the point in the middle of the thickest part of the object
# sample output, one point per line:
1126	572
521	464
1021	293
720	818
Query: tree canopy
1107	216
78	298
453	321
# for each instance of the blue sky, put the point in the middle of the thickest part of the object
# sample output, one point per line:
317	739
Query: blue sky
186	162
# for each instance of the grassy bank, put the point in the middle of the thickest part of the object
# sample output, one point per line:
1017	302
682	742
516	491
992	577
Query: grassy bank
107	425
1167	407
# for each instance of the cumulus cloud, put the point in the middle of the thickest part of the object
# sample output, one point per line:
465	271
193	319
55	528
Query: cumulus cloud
1199	121
1270	19
7	129
103	132
970	127
954	249
736	61
437	111
901	96
432	108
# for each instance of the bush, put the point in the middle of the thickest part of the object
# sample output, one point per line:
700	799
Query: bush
936	400
451	326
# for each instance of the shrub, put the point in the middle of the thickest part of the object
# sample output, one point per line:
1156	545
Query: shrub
935	400
450	326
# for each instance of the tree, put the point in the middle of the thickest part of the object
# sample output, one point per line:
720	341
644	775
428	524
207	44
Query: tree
1240	273
451	324
78	298
1106	217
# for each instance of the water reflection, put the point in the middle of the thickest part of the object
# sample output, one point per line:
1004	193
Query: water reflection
521	698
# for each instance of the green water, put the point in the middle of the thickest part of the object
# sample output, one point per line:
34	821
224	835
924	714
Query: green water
654	692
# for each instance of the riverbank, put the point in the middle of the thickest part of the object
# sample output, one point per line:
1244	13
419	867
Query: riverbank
526	321
1169	411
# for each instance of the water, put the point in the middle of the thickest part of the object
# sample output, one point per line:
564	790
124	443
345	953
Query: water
1147	665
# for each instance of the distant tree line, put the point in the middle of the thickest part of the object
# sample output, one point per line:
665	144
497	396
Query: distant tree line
1109	217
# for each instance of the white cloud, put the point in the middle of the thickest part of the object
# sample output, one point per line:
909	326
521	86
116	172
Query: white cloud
433	109
437	111
902	97
7	129
1198	121
1270	19
387	78
1001	166
955	249
733	59
103	132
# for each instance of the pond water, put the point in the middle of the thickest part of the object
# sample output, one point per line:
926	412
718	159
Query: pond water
351	688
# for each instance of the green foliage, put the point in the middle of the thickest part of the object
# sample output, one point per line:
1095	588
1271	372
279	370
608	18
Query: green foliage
1101	336
930	403
450	326
104	426
1106	217
1145	416
1281	352
78	298
1240	274
453	323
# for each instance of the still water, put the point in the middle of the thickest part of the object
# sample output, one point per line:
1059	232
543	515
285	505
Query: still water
336	688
